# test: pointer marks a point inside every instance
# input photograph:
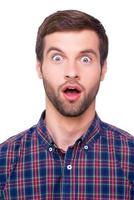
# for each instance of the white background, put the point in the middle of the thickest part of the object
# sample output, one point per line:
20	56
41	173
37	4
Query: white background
21	92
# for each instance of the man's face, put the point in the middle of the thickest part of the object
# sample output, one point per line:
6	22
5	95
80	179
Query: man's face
71	71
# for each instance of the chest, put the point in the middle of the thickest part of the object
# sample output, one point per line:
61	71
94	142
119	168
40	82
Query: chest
91	172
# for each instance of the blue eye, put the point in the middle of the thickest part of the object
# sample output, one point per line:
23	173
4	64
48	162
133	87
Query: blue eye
57	58
85	59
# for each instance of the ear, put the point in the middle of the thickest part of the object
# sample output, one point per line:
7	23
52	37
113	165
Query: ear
38	69
103	70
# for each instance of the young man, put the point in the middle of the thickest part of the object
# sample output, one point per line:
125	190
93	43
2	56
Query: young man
70	154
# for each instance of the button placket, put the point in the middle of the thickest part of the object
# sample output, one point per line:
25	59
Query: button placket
50	149
69	167
86	147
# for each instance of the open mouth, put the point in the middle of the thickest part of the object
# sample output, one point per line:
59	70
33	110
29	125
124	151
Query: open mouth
72	92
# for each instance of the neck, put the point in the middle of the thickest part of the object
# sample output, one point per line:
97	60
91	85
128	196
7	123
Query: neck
66	130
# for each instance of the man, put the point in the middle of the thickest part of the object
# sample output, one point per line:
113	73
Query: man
70	154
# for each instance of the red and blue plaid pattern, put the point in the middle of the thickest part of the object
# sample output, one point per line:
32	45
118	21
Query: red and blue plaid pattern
99	166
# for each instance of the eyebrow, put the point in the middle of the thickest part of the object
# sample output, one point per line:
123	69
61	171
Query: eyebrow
54	49
81	52
89	51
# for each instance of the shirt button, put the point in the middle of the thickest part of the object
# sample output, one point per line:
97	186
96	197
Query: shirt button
50	149
85	147
69	167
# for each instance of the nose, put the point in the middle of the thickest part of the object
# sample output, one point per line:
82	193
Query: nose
72	71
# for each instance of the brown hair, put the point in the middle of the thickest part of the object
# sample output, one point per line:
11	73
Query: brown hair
71	20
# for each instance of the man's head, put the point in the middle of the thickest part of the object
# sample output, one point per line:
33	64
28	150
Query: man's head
71	20
71	50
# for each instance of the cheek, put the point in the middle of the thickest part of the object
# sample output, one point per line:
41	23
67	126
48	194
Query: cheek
52	71
52	78
91	77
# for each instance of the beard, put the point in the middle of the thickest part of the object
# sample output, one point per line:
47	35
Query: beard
70	109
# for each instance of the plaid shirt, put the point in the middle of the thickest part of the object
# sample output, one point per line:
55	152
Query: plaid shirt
99	166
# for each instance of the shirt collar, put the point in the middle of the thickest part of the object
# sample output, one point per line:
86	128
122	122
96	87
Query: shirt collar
42	130
93	132
90	136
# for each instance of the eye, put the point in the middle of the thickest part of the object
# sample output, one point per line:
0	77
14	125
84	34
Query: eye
57	58
85	59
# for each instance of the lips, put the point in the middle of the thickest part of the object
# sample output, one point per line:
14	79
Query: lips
72	92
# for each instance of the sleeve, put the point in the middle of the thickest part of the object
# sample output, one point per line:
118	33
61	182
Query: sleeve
8	157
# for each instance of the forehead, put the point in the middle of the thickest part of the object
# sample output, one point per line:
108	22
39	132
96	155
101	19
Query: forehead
72	41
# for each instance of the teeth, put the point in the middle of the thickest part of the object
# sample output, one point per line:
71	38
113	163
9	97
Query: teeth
71	88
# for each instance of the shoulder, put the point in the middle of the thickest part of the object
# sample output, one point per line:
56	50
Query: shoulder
13	144
10	150
116	133
121	144
16	140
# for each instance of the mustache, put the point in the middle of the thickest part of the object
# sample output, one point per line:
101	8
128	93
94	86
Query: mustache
72	81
